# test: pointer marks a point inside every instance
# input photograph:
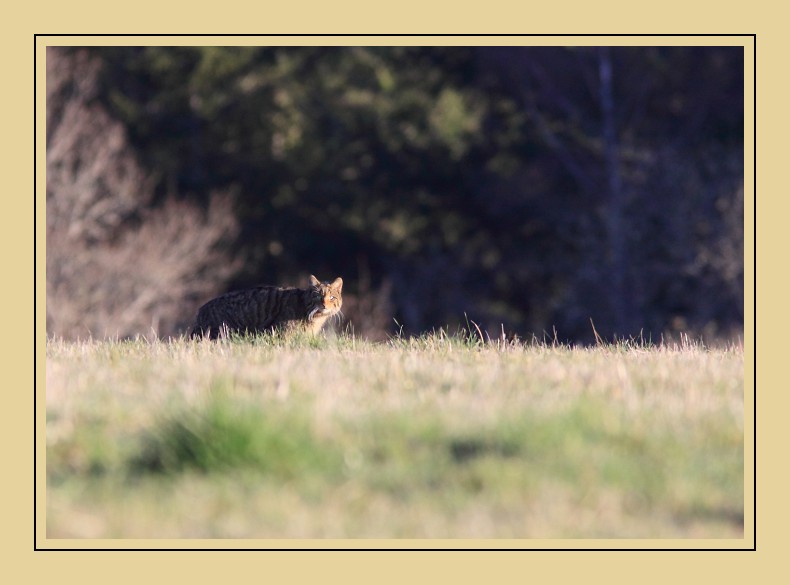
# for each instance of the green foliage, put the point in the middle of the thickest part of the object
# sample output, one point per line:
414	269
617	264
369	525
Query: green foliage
475	178
225	434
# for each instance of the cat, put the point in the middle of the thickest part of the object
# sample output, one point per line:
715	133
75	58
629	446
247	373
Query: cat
270	308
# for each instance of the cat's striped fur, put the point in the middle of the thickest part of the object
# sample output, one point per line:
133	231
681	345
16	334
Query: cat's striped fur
267	308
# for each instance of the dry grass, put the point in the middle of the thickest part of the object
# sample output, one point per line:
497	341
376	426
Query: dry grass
430	437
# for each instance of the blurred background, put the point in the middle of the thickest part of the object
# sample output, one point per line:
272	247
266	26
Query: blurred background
528	189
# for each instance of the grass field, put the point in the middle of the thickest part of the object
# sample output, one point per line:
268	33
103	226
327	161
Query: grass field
431	437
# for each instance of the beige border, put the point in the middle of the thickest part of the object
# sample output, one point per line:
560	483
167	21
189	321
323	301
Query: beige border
392	567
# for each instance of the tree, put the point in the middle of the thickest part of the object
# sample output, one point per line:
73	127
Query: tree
531	187
116	265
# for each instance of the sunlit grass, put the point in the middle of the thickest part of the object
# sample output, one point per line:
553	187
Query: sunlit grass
432	436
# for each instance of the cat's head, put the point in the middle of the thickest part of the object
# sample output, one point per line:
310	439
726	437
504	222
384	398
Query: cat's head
327	296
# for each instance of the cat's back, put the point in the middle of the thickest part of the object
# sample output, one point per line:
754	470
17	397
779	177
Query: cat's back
251	309
243	297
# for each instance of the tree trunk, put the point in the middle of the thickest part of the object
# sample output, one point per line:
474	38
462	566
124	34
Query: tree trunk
621	302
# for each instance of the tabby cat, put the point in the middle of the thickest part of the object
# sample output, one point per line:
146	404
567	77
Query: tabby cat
267	308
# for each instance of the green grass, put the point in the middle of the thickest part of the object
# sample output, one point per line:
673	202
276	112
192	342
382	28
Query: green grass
431	437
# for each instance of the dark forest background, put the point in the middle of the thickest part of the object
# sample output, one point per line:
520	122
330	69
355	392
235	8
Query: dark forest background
527	189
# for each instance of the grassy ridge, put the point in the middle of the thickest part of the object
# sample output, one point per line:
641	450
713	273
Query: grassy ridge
429	437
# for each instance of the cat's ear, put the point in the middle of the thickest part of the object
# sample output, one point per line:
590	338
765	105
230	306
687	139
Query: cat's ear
337	284
314	281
